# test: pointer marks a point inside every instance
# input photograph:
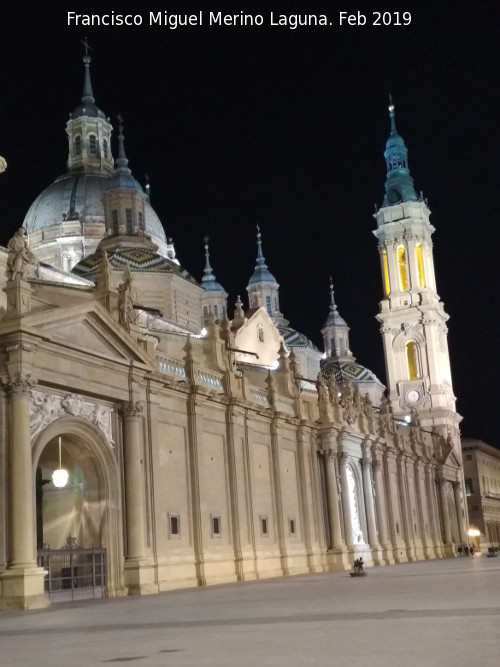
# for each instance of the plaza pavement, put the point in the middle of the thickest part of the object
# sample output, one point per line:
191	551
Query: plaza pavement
435	613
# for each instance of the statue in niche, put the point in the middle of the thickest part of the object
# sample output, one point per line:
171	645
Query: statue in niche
126	313
19	257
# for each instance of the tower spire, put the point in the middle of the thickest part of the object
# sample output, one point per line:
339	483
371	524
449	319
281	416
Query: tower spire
333	305
208	271
122	161
335	330
88	95
399	183
261	262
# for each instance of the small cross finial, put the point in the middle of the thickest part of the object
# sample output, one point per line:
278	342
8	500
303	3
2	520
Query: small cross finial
86	45
120	119
205	239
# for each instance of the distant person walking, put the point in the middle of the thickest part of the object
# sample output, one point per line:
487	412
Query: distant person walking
466	549
471	550
460	550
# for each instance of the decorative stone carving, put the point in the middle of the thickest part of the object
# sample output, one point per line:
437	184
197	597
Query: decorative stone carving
19	257
46	408
133	409
126	312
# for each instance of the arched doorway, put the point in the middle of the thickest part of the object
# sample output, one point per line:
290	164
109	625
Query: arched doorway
86	512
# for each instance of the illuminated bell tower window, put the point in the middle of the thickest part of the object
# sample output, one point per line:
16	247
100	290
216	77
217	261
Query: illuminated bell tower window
385	273
420	265
403	268
92	144
412	360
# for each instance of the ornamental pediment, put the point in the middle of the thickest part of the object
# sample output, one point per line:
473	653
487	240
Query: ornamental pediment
89	330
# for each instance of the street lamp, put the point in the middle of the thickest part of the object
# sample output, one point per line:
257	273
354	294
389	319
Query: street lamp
60	476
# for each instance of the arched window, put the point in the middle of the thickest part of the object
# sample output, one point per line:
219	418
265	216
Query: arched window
403	268
385	273
105	147
420	265
92	144
78	145
412	360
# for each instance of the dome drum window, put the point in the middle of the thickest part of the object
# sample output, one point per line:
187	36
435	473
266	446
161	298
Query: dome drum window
92	139
78	145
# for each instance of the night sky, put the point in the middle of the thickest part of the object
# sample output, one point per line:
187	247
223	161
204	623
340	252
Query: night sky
236	125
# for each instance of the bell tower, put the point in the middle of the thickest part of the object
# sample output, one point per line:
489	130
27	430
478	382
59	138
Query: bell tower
412	316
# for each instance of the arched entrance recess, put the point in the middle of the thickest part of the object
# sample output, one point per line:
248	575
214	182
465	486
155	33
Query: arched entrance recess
89	508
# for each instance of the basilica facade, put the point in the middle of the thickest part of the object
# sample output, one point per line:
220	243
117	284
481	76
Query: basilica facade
203	444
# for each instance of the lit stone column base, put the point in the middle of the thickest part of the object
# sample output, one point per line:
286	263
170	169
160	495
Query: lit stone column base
23	589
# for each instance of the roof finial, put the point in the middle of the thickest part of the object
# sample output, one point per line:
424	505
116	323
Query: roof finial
391	115
147	187
122	161
260	257
88	95
333	305
208	271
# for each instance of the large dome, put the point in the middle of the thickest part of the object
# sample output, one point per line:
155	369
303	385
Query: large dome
79	196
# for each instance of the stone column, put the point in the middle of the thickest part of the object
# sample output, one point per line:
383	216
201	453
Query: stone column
332	495
444	510
22	583
22	553
405	518
346	506
433	512
369	505
380	502
420	506
134	495
460	518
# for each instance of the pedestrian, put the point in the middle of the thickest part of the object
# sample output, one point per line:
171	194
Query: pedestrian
471	549
466	549
459	549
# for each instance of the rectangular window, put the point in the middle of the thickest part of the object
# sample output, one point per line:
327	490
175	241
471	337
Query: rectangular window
468	457
291	523
174	524
469	489
216	525
268	304
114	216
128	221
264	526
141	220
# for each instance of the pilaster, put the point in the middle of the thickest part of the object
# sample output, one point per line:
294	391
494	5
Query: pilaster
22	583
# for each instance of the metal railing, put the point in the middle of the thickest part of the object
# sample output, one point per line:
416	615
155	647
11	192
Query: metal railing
73	573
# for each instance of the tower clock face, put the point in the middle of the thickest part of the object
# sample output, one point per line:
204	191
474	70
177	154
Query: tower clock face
413	396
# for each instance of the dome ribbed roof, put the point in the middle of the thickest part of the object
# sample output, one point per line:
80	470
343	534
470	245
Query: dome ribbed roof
78	196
